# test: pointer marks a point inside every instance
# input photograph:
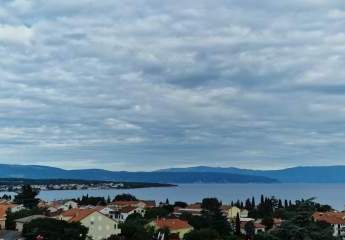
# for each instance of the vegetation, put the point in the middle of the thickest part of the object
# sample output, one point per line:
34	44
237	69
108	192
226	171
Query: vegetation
27	197
87	200
53	229
134	229
125	197
12	216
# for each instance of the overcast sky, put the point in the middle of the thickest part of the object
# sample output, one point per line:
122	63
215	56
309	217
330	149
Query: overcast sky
140	85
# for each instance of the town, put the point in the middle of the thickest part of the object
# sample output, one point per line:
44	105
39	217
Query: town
15	185
124	217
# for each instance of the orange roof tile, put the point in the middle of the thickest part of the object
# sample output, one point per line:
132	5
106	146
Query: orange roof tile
3	209
330	217
172	224
78	214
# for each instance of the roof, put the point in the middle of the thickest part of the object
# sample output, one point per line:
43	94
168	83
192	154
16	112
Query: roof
4	207
29	218
171	224
148	204
257	225
330	217
127	209
125	203
77	214
195	206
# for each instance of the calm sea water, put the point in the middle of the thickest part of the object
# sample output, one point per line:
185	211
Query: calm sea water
333	194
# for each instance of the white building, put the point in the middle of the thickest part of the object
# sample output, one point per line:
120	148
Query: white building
336	219
100	226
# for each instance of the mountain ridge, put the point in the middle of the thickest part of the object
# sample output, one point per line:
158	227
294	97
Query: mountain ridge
299	174
39	172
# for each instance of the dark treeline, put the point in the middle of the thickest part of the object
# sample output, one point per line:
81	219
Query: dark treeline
272	206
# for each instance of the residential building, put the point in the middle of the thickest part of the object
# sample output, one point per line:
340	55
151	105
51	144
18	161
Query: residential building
336	219
100	226
4	207
193	209
175	226
258	227
139	203
122	214
21	221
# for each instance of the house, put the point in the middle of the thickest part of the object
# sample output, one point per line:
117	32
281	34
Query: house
21	221
175	226
231	212
122	214
100	226
277	222
68	205
193	209
63	205
336	219
258	227
139	203
4	207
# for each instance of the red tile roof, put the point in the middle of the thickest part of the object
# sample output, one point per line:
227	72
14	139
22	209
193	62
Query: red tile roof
78	214
330	217
172	224
127	209
3	209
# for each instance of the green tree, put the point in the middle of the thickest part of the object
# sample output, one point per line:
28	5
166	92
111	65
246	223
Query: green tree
53	229
134	229
27	197
125	197
12	216
249	228
268	222
211	204
238	225
153	213
204	234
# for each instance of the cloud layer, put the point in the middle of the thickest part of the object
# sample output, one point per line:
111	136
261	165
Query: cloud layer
135	85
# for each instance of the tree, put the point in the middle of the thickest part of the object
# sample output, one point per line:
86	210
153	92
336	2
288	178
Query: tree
27	197
134	229
301	225
12	216
249	228
204	234
125	197
180	204
268	222
53	229
211	204
265	236
153	213
238	225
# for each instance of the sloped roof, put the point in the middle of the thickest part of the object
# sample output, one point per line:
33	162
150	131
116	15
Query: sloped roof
330	217
4	207
78	214
29	218
172	224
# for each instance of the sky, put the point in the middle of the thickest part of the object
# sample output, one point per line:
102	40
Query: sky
141	85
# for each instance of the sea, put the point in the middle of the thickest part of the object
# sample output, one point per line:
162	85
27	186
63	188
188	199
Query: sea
332	194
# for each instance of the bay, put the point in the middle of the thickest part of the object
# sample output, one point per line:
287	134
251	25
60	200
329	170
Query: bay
332	194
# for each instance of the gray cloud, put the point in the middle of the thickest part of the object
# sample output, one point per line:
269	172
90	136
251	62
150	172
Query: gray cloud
135	84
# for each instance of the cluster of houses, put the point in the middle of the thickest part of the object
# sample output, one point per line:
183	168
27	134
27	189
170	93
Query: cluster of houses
103	221
336	219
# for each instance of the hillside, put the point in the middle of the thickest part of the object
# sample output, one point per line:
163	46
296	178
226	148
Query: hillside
44	172
317	174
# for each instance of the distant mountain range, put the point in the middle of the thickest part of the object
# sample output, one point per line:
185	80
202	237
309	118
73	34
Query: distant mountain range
43	172
200	174
319	174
